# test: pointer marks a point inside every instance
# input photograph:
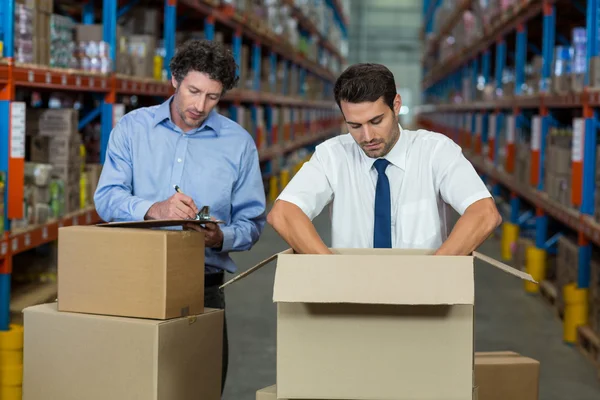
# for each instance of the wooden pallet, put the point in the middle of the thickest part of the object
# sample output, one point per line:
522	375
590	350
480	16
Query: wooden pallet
589	345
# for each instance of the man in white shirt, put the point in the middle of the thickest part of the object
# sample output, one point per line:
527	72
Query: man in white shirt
388	187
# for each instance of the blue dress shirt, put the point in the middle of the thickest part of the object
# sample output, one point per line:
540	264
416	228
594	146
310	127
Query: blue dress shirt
216	165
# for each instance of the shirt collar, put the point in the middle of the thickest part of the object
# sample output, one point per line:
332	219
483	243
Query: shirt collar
163	112
396	156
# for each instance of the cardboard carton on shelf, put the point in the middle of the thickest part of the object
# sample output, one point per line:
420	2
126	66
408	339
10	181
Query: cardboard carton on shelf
72	356
412	324
131	272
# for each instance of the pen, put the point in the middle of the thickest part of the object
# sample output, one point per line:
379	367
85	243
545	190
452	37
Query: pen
177	189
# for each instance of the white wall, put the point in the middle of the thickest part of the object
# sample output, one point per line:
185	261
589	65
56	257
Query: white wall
387	32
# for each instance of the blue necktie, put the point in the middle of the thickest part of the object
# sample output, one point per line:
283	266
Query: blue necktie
382	235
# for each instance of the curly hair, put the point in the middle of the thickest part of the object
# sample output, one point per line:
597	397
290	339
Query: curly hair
365	82
206	56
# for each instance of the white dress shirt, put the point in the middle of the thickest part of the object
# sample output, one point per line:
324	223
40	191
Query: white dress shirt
427	171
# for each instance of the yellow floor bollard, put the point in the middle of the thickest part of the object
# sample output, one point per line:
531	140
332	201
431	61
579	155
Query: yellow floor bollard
284	178
11	375
535	265
273	189
12	339
11	392
510	235
576	311
11	357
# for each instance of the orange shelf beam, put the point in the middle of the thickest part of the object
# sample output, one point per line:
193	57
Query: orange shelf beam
18	242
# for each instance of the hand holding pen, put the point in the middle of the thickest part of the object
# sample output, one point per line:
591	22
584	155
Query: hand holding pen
178	206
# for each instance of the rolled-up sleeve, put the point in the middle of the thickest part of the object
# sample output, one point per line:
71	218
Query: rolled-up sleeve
113	198
458	182
310	188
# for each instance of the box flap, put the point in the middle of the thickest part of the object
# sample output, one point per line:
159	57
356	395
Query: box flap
392	279
504	267
255	268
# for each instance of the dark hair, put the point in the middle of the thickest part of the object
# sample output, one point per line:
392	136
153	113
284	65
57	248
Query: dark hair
365	83
207	56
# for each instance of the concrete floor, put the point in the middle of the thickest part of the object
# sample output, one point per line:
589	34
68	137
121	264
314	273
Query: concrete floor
506	319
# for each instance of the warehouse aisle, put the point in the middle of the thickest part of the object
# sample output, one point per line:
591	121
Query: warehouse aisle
506	319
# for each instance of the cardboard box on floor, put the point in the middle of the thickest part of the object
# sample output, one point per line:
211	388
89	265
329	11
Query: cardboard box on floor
131	272
506	375
499	375
270	393
375	324
72	356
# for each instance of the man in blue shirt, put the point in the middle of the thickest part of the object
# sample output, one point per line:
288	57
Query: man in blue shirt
185	142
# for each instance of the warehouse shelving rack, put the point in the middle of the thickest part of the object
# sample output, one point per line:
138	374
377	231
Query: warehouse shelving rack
111	86
478	125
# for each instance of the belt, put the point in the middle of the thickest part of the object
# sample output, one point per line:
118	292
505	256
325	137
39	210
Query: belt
214	279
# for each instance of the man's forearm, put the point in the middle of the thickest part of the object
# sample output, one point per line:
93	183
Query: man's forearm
296	229
115	204
471	229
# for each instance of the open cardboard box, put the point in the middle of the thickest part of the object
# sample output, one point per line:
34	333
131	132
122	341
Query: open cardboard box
375	324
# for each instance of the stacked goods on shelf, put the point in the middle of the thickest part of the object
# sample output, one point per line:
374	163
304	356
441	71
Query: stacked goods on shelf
566	267
93	54
558	165
101	313
562	69
32	31
579	65
533	76
25	49
62	42
54	140
522	163
38	207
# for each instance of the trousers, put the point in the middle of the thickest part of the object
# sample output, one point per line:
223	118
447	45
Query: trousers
215	298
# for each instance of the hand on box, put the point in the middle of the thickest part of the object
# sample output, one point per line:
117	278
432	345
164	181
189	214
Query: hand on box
213	236
178	206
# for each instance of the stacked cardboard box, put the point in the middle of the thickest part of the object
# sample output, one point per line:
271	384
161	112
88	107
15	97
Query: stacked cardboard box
558	166
110	336
54	139
522	163
566	267
332	340
32	31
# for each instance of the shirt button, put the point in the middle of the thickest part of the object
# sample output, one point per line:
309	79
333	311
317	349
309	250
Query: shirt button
179	160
